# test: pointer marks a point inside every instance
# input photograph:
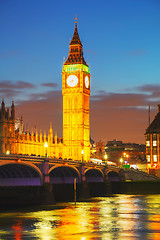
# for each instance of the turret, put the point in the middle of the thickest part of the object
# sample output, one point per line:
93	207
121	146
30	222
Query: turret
13	111
55	138
32	135
36	136
50	134
3	110
40	136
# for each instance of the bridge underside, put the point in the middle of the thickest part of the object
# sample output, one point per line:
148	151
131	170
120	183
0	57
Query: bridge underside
63	175
19	175
113	177
94	175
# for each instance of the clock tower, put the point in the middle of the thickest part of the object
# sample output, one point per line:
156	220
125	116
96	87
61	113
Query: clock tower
76	93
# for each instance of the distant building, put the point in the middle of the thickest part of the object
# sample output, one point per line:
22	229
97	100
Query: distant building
131	153
153	145
97	150
114	150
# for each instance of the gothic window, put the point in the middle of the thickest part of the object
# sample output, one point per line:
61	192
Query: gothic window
154	136
147	143
154	150
154	143
148	158
154	158
147	137
148	150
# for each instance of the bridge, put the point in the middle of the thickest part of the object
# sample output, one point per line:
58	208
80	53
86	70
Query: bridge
23	170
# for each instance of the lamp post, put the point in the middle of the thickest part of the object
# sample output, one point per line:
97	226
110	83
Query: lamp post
127	156
7	152
105	157
121	161
46	146
82	154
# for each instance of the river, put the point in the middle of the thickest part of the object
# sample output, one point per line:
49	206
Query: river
119	217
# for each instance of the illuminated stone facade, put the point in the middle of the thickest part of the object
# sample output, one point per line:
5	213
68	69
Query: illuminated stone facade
7	129
15	141
153	144
76	93
76	126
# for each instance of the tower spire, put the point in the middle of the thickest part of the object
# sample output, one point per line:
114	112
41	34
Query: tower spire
76	20
75	49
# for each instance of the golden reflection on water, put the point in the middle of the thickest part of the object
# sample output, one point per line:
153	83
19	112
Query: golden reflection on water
113	218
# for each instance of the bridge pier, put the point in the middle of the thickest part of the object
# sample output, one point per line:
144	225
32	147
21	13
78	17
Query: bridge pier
107	183
85	193
45	171
46	194
106	171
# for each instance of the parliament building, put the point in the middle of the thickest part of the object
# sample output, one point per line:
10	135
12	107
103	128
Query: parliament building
76	124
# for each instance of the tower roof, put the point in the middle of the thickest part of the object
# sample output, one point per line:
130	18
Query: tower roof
154	127
75	38
75	49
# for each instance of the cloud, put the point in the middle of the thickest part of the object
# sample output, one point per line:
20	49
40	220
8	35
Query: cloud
42	109
7	92
123	116
49	96
10	89
119	100
17	85
151	88
53	85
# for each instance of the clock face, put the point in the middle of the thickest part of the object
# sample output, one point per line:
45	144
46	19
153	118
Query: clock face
86	81
72	81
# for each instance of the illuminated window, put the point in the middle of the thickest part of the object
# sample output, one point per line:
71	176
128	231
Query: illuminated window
148	137
154	151
154	158
147	143
148	158
154	143
147	150
154	136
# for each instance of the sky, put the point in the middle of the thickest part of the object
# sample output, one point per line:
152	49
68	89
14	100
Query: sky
121	43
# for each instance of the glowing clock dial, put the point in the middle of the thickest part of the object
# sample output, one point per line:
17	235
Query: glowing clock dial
86	81
72	81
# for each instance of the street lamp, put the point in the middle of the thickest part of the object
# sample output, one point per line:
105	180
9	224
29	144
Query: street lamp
105	157
7	152
82	154
46	146
121	161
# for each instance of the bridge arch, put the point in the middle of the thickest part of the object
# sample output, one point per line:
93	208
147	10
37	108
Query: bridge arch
113	176
20	174
94	175
63	174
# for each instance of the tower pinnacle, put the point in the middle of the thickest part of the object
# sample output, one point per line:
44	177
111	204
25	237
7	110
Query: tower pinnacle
75	49
75	19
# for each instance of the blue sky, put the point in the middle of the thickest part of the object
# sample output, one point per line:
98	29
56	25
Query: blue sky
121	41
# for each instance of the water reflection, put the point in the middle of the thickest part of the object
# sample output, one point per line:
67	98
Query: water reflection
119	217
17	230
